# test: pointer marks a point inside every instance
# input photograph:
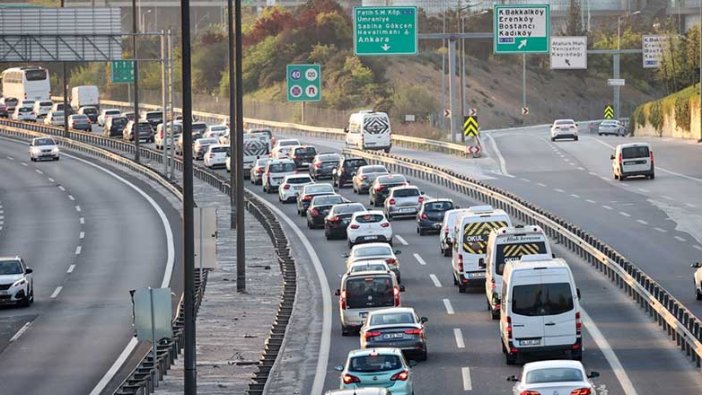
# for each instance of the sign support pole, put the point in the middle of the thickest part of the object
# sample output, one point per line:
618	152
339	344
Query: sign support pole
65	91
524	103
302	112
154	357
164	124
615	72
136	81
453	103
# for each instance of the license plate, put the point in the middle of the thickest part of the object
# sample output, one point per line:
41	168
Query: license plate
406	210
476	275
277	179
363	314
530	342
393	336
371	237
437	226
636	162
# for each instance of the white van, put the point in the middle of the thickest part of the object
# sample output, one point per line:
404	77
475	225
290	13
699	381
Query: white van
633	159
470	236
85	95
363	292
540	311
509	245
369	130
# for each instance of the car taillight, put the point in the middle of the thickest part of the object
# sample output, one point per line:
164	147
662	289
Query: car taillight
342	300
372	334
287	186
334	219
212	156
349	378
530	392
402	376
314	212
354	226
578	324
414	331
651	155
391	202
259	171
306	198
318	165
379	188
620	160
508	328
391	261
581	391
424	216
492	285
364	177
421	199
460	263
396	293
384	224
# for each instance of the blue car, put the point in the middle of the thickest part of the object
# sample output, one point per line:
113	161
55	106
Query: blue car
431	215
377	367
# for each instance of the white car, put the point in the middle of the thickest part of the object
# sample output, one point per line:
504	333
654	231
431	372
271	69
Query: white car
284	147
554	377
216	132
42	107
697	278
368	227
374	251
162	138
104	114
611	126
216	155
43	148
54	118
370	265
564	129
24	113
16	282
291	187
275	172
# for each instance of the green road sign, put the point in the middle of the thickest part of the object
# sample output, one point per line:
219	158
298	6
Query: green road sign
122	71
304	82
385	30
522	28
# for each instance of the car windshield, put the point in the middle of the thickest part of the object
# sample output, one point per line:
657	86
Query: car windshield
392	318
25	109
299	180
112	112
145	127
369	218
154	115
327	200
348	208
391	179
370	291
374	169
565	122
438	206
281	167
372	251
205	142
118	121
89	110
219	149
80	118
369	267
405	192
199	128
57	114
510	252
354	163
308	151
10	267
535	300
375	363
264	132
45	104
44	141
218	128
553	375
323	188
328	158
287	143
635	152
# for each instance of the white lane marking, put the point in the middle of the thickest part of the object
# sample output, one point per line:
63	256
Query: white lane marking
467	383
644	190
82	220
624	214
435	280
39	171
20	331
78	208
458	334
500	158
78	250
2	217
62	188
660	230
559	190
541	184
10	158
698	248
605	179
609	354
71	197
572	164
575	195
678	238
81	235
449	308
642	222
667	197
525	179
401	240
70	269
56	292
419	259
590	201
607	207
2	211
581	168
679	174
690	205
24	164
592	173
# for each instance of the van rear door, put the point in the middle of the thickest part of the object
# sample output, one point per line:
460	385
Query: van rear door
376	131
636	159
559	309
526	315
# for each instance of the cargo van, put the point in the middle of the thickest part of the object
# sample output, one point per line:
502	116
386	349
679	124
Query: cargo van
633	159
508	245
369	130
85	95
470	236
540	310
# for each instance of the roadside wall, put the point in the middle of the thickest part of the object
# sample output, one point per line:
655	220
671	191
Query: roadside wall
668	125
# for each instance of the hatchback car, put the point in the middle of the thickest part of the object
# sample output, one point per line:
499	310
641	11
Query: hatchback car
371	265
369	227
257	170
105	114
291	187
200	147
304	198
146	133
114	126
365	176
403	201
611	127
431	215
10	102
364	252
381	187
199	128
16	282
80	122
54	118
554	377
319	208
375	367
323	165
129	115
633	159
345	170
398	327
564	129
24	114
274	173
338	219
43	148
303	155
90	112
179	145
216	155
42	107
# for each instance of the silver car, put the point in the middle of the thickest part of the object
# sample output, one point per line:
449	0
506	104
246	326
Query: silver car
365	176
16	282
403	201
372	251
611	126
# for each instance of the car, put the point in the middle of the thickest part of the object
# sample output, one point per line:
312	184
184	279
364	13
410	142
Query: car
90	111
105	114
338	218
319	208
556	376
200	147
42	148
697	279
179	141
27	103
345	170
216	155
611	126
363	292
631	160
274	173
54	118
431	215
199	128
80	122
284	147
364	252
397	327
257	170
564	129
446	232
303	155
375	367
10	102
370	265
216	131
360	391
381	187
23	113
146	133
114	126
323	165
291	187
304	198
365	176
153	118
369	130
42	107
4	111
369	227
403	201
263	133
60	107
129	115
16	282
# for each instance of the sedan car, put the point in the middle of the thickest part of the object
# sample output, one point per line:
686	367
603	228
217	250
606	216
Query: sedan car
89	111
398	327
365	176
43	148
611	126
338	218
564	129
216	155
54	118
291	187
16	282
554	377
381	187
80	122
257	169
323	165
303	155
345	170
697	278
23	113
403	201
304	198
368	227
146	133
364	252
385	367
371	265
319	208
431	215
200	147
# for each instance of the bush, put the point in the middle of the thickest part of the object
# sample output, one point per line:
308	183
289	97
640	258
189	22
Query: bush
413	100
682	112
655	116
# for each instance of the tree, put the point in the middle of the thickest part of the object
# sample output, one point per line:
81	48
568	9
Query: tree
574	24
413	100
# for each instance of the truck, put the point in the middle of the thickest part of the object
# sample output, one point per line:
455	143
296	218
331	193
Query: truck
85	95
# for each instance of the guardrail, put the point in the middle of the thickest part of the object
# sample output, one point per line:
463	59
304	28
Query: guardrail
140	380
670	314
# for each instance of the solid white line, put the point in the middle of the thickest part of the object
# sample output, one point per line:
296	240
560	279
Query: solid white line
39	171
71	268
419	259
78	208
467	383
20	331
51	179
642	222
624	214
458	334
525	179
607	207
592	173
401	240
435	280
62	188
78	250
581	168
575	196
605	179
609	354
590	201
678	238
71	197
56	292
698	248
559	190
81	235
82	220
644	190
449	308
500	158
660	230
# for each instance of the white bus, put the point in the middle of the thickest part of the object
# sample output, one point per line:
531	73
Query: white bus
26	83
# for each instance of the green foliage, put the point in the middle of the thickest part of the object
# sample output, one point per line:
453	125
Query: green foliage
682	112
574	24
655	116
413	100
681	61
91	74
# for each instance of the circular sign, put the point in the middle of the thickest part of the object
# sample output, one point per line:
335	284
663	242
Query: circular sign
311	91
296	74
311	74
295	91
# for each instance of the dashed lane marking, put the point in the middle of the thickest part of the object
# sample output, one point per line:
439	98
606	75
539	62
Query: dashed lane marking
575	195
678	238
624	214
56	292
592	173
667	197
39	171
10	158
642	222
62	188
71	197
698	248
20	331
81	235
660	230
51	179
419	259
401	240
449	308
82	220
70	269
24	164
644	190
458	334
581	168
467	383
78	250
607	207
525	179
690	205
590	201
559	190
435	280
78	208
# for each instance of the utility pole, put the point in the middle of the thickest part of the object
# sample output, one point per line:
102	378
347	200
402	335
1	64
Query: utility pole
136	81
65	90
453	102
239	156
232	115
171	60
164	124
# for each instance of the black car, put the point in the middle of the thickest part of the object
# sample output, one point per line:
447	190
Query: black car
324	165
346	169
114	126
319	208
153	118
3	111
381	186
199	128
338	219
90	112
431	215
303	155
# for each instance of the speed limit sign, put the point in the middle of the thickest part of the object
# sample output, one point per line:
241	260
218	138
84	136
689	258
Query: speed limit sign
304	82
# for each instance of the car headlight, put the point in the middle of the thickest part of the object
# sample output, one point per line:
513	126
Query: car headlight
55	150
19	282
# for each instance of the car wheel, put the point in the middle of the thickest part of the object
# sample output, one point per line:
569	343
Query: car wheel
553	139
576	355
309	225
652	176
421	231
327	236
57	158
26	301
616	177
622	177
699	294
575	139
350	244
599	134
461	288
510	359
344	331
494	315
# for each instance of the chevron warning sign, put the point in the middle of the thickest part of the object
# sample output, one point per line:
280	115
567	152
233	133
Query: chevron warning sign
608	111
470	126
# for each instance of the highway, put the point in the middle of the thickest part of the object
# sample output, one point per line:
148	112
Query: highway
90	236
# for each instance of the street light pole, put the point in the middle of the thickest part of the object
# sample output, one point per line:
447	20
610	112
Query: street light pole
240	256
135	133
65	91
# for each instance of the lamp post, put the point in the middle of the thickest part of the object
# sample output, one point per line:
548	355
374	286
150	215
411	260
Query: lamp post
143	20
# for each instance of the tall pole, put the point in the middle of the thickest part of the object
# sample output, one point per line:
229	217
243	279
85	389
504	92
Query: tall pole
699	37
524	103
136	81
232	115
190	369
64	79
164	124
239	155
453	102
171	144
615	72
463	74
443	75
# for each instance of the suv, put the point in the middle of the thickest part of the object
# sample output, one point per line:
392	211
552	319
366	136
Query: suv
146	133
16	282
114	126
345	170
90	111
153	118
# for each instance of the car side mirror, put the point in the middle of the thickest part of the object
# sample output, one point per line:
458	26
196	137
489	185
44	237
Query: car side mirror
397	252
577	291
28	271
481	263
611	157
412	363
339	368
402	288
345	255
593	375
337	292
456	207
696	265
512	378
423	320
421	192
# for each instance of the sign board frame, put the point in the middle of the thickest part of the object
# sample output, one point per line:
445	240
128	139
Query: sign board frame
520	44
571	53
300	79
387	43
653	47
